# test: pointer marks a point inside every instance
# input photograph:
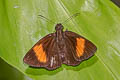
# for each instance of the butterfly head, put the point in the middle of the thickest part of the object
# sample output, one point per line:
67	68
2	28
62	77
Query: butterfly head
59	27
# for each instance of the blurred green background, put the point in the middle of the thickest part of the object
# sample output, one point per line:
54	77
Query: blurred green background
21	28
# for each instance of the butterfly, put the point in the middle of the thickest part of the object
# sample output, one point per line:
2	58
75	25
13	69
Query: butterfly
61	47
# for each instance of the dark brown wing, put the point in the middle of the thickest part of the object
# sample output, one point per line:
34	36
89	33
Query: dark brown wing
69	53
37	56
54	58
81	48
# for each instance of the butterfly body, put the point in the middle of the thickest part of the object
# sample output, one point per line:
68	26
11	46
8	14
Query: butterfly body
61	47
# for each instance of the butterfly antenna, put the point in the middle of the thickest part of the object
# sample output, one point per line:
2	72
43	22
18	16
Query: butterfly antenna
74	15
46	19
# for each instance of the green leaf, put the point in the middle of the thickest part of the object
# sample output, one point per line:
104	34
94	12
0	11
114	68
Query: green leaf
99	22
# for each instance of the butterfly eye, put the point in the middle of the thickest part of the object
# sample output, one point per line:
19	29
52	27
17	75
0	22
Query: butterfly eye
59	27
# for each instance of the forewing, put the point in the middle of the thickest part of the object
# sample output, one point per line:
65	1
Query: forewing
54	58
69	53
37	56
82	48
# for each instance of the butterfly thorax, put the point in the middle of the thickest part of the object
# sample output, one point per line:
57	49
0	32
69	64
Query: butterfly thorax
59	32
60	41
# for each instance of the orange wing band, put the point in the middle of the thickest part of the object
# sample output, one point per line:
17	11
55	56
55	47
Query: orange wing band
40	54
80	46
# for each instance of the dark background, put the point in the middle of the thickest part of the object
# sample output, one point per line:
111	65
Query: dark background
116	2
